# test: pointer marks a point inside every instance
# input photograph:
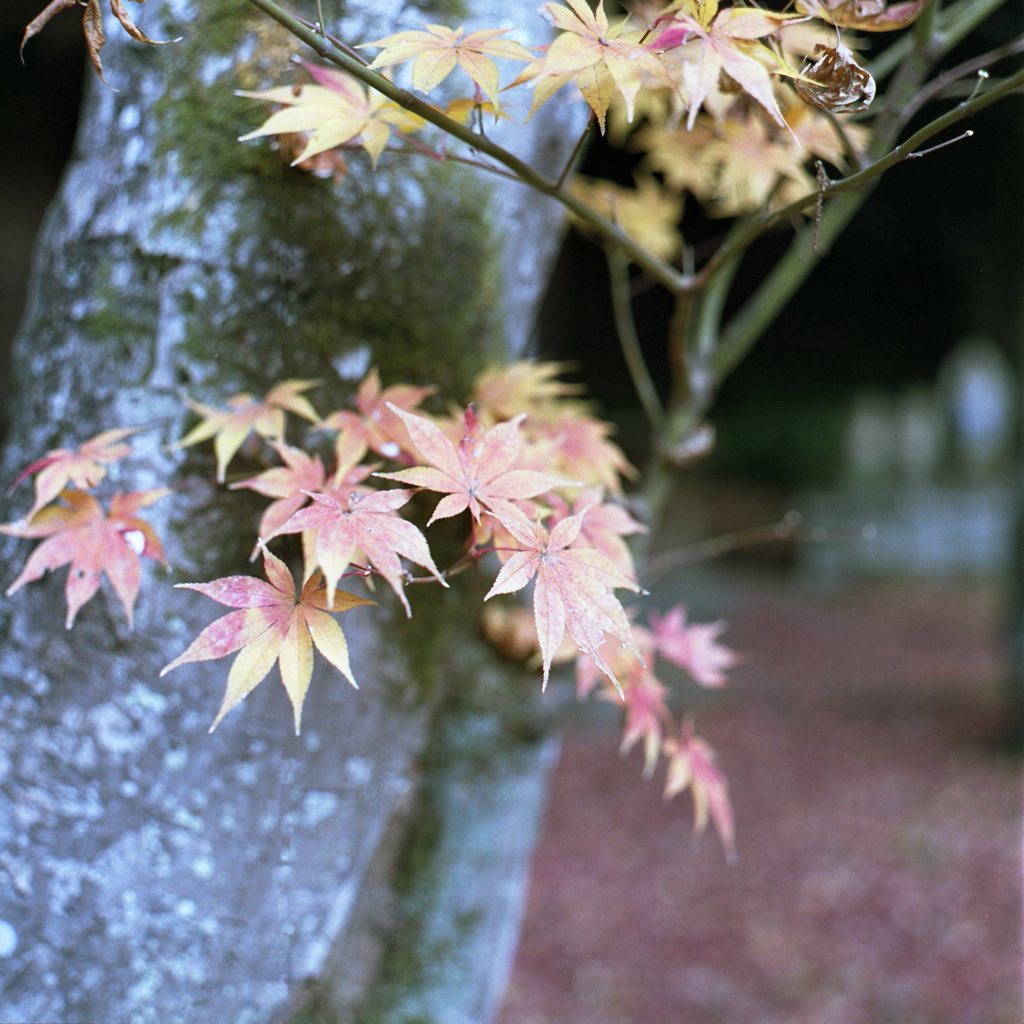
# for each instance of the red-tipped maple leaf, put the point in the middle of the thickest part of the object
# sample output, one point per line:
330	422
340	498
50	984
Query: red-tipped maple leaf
375	424
573	589
478	474
83	467
728	39
272	624
692	764
365	522
230	428
694	648
94	543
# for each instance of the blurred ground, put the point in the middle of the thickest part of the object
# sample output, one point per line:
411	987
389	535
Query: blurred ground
879	833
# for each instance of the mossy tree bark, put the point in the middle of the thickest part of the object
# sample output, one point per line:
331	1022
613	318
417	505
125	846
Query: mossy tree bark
149	871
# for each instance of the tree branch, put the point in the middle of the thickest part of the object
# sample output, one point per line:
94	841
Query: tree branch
671	278
622	305
729	250
941	82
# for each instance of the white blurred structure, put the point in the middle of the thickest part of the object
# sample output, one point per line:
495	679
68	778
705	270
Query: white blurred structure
928	473
981	392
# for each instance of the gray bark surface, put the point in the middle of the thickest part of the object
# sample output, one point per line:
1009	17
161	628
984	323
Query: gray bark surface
150	871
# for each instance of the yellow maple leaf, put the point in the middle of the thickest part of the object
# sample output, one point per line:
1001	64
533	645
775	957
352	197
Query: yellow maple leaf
502	392
753	168
230	427
649	213
438	51
336	111
599	57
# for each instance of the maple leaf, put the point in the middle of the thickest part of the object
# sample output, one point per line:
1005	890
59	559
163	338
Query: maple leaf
512	631
290	484
247	415
94	543
649	213
436	53
604	526
753	168
581	449
375	425
596	56
502	392
365	522
692	765
694	648
92	27
646	714
680	156
338	110
728	42
83	467
272	624
572	589
477	474
866	15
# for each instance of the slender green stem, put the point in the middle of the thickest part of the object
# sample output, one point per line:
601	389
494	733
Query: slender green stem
940	83
659	269
622	306
853	158
955	22
574	156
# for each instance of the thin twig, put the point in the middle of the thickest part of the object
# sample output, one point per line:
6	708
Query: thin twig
730	249
570	164
786	529
353	53
941	82
622	306
942	145
822	179
854	158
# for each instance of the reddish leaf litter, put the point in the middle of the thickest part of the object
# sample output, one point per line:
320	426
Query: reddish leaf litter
878	828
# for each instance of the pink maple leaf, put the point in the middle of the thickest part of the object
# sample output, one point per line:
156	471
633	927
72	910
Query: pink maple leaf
573	589
477	474
692	764
694	648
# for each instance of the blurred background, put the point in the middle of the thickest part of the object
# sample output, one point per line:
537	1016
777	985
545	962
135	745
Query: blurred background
869	737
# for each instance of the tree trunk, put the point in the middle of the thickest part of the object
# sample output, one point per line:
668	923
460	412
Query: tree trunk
149	871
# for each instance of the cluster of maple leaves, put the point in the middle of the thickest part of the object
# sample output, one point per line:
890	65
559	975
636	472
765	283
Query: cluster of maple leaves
729	104
537	478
